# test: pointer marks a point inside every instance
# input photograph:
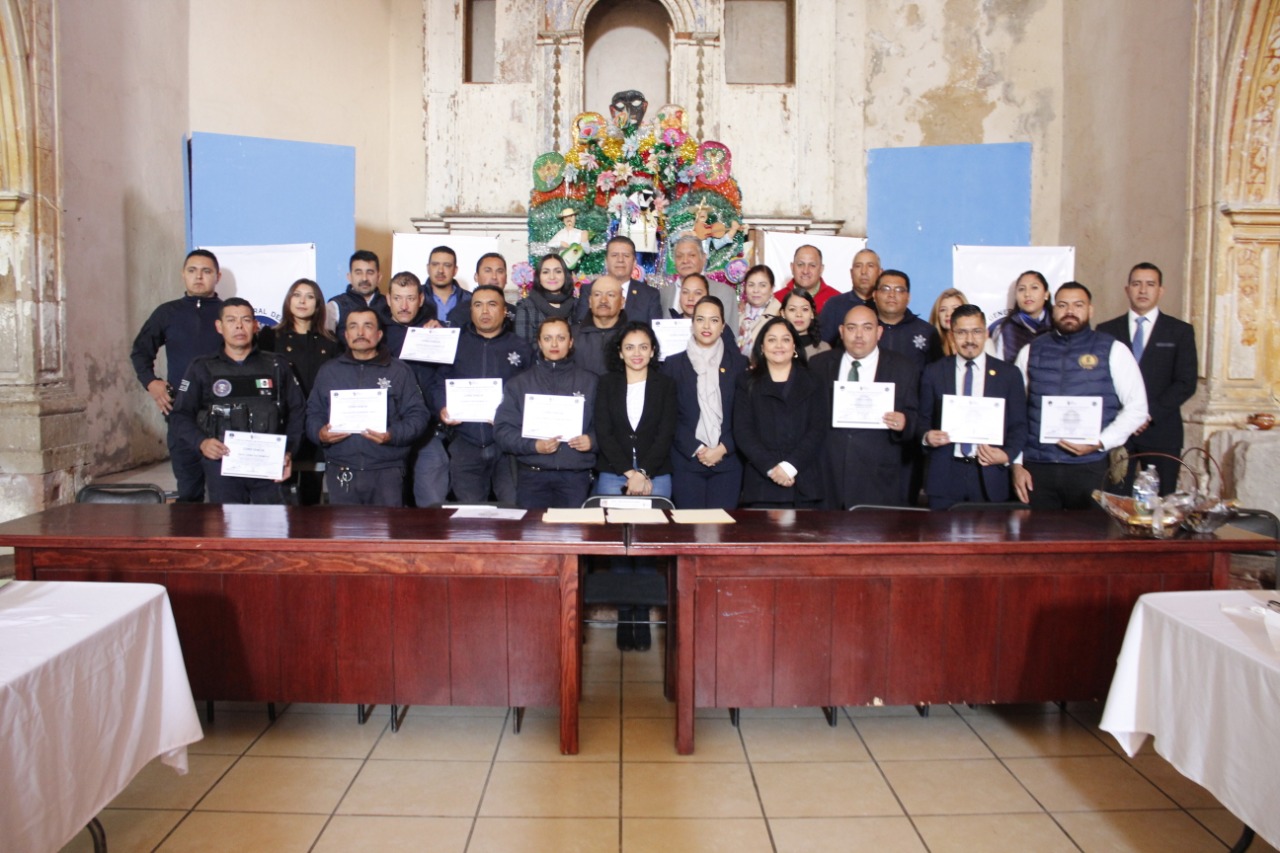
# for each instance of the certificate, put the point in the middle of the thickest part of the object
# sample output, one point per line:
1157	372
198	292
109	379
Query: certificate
434	345
358	409
1074	419
861	405
973	420
672	335
553	416
472	400
253	454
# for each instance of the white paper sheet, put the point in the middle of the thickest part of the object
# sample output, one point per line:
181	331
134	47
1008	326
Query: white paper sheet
1075	419
473	400
672	335
259	455
553	416
861	405
973	420
438	346
358	409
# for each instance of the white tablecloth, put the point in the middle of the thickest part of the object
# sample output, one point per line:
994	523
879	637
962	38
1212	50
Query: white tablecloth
1206	685
92	687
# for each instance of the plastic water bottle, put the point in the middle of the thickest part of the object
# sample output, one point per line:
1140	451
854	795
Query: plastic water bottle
1146	487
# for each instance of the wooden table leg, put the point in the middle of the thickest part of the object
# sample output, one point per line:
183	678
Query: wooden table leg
686	617
570	654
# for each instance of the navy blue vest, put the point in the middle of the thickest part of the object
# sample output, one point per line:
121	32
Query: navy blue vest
1076	365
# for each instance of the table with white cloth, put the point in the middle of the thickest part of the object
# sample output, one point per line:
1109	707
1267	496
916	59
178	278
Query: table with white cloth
1205	683
92	687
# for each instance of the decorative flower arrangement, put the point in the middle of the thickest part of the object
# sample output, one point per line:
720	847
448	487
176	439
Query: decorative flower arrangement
522	276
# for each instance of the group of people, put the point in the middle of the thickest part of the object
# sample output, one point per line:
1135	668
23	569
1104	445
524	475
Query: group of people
760	409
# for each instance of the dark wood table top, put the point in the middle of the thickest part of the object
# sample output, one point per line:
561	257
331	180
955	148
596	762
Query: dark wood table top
279	528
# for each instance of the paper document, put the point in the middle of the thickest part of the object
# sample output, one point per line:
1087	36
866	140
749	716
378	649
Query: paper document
672	335
485	511
474	400
637	516
861	405
357	410
701	516
437	345
259	455
574	516
553	416
973	420
1074	419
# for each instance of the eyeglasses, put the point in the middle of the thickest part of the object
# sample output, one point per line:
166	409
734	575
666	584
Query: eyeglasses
891	289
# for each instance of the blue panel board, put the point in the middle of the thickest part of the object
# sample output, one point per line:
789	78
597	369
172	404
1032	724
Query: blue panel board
248	191
923	201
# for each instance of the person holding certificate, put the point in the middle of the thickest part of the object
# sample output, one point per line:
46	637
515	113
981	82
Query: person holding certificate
242	410
780	421
706	472
873	415
1085	396
550	296
366	411
546	420
974	409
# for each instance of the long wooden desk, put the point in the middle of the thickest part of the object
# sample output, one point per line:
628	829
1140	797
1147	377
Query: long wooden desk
897	607
344	604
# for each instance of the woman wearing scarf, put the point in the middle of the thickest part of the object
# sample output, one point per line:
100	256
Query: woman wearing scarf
551	296
758	305
1028	320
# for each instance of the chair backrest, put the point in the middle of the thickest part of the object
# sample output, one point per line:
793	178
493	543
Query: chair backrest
879	506
121	493
1004	505
628	502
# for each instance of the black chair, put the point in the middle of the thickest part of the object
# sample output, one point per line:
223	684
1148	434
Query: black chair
122	493
882	506
1266	523
626	590
1004	505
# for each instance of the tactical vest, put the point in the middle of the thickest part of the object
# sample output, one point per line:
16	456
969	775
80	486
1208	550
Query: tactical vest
244	397
1076	365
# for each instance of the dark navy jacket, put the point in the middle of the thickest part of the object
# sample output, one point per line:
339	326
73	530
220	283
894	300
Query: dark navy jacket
407	414
184	327
478	357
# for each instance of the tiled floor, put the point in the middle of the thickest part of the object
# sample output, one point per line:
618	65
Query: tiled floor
456	779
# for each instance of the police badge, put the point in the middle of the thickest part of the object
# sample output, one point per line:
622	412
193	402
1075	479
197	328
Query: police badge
1088	361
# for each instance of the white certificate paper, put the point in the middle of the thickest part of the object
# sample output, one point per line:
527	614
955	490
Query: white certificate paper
253	454
472	400
973	420
1074	419
553	416
672	335
861	405
358	409
434	345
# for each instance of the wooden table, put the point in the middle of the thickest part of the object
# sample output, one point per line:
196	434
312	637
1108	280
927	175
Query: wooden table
344	604
896	607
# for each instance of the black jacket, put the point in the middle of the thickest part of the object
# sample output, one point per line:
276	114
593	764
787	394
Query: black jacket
557	378
407	414
650	442
185	328
198	393
500	357
781	422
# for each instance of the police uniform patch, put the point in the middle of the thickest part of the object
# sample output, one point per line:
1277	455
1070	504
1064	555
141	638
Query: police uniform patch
184	385
222	388
264	383
1088	361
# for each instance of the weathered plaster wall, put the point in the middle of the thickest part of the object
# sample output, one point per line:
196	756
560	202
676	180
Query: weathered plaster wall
123	106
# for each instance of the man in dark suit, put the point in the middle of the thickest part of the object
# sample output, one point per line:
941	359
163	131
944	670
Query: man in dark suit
1165	348
639	300
970	472
867	465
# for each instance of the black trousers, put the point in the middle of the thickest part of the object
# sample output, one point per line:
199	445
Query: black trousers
1061	485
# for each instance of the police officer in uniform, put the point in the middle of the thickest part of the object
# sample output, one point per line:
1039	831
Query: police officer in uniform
244	389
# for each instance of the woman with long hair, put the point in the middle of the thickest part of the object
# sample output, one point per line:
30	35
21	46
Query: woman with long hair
947	301
799	309
300	336
1028	319
551	296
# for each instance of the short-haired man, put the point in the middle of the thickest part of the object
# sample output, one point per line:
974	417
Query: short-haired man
806	273
973	473
452	301
863	273
904	331
1165	348
641	301
363	277
1074	360
690	258
487	349
367	468
186	328
596	332
867	466
492	269
243	389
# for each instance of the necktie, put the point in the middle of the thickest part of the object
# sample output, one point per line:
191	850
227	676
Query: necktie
1139	340
853	372
967	449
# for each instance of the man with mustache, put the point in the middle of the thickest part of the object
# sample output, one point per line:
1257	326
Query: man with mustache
1075	361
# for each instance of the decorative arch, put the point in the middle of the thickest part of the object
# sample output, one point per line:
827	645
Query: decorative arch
684	16
15	114
1253	136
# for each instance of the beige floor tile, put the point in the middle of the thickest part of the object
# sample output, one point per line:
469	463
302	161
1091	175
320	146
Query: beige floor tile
299	785
539	740
665	790
845	835
696	835
802	712
645	699
416	788
159	787
875	711
645	666
552	789
958	786
853	789
913	738
1227	826
230	832
1138	832
129	830
1036	735
1086	783
361	834
442	739
334	709
539	835
230	733
993	833
800	740
416	711
599	699
649	739
1179	788
319	736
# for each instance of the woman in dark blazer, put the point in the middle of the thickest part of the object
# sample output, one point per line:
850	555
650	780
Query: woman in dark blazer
635	440
705	469
780	420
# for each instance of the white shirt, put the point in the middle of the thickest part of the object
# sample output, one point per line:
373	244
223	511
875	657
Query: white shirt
866	366
1146	328
635	402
